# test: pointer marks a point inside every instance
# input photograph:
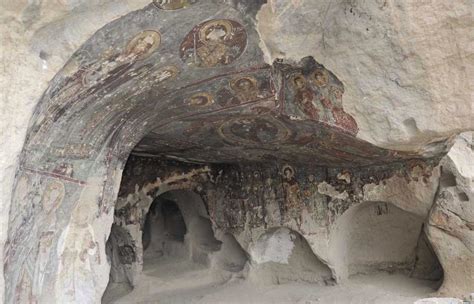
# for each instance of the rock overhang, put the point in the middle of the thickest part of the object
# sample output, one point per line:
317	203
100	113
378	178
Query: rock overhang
178	83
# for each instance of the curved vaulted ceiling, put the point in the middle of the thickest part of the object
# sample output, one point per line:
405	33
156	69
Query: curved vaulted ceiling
191	80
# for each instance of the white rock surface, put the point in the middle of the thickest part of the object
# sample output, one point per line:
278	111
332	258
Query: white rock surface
406	65
275	247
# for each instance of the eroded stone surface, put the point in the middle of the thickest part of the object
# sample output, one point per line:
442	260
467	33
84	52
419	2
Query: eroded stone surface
450	223
405	65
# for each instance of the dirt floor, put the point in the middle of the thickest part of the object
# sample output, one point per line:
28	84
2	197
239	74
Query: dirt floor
176	280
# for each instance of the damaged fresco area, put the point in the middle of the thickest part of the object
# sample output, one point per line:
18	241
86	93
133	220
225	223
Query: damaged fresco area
313	93
254	115
246	201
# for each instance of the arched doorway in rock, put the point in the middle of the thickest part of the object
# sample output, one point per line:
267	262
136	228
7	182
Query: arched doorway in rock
371	238
177	227
163	231
176	244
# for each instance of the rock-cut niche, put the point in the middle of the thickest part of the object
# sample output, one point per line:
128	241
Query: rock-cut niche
200	93
380	237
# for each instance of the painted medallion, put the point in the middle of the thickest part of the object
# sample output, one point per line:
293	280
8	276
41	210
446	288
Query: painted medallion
214	43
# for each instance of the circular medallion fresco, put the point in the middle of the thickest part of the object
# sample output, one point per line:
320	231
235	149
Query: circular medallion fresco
320	77
288	172
254	131
143	45
214	43
200	99
244	84
336	92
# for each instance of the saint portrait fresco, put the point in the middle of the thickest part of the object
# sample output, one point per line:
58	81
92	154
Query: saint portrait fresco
214	43
201	99
304	97
320	77
293	201
317	95
225	97
165	73
254	131
113	69
245	88
53	196
341	118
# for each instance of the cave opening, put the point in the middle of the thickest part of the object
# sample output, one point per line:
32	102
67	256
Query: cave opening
163	231
170	236
178	246
203	224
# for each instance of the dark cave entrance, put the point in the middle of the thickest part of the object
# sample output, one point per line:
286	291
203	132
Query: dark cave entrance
164	230
175	239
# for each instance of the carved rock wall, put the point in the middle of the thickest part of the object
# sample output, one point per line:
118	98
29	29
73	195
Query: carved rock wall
404	65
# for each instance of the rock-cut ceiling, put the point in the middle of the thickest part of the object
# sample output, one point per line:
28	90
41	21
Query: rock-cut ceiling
187	80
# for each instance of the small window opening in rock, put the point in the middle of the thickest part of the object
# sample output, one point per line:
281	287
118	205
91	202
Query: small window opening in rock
463	196
44	55
281	256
